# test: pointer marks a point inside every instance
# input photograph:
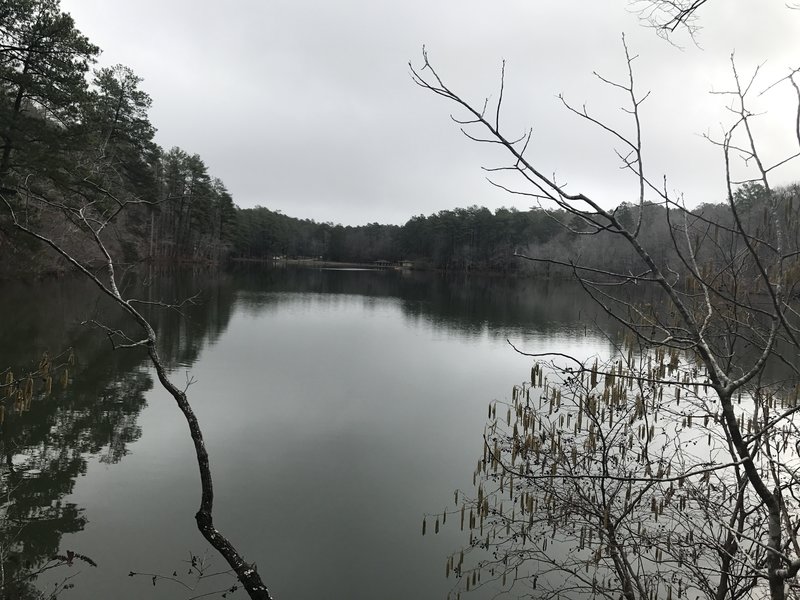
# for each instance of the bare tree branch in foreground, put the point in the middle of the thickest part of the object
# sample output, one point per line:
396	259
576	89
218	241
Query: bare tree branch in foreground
670	468
92	218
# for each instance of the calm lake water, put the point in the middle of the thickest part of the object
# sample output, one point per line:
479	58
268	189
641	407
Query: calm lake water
338	406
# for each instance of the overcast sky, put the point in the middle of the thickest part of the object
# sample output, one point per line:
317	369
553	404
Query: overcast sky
308	107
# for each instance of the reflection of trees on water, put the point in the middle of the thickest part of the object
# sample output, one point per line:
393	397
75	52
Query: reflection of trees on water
43	449
184	331
465	303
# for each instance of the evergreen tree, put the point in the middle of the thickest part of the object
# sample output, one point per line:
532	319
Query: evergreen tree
43	63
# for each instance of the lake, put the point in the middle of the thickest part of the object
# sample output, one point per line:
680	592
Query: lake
338	406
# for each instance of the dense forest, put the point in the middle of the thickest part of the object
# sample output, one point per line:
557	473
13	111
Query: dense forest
474	238
81	134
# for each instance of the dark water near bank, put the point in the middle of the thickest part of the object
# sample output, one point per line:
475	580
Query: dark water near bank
338	408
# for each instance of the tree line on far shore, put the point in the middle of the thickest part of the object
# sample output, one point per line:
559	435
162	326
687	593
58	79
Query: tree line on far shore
475	239
83	134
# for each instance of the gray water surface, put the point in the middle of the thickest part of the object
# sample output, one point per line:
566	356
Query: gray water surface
338	407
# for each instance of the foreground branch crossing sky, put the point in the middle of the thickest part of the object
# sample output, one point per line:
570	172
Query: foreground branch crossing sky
308	107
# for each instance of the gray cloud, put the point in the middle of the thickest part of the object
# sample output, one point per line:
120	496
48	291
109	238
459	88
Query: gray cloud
308	107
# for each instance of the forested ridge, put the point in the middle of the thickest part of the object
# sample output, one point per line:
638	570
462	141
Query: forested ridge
80	132
474	238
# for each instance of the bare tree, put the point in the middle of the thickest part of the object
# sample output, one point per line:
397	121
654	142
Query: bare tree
668	16
609	478
76	160
90	217
618	460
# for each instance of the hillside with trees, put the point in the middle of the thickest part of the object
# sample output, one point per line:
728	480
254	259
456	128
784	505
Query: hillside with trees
83	132
475	239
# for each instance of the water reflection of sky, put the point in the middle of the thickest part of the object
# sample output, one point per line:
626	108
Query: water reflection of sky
578	338
338	408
